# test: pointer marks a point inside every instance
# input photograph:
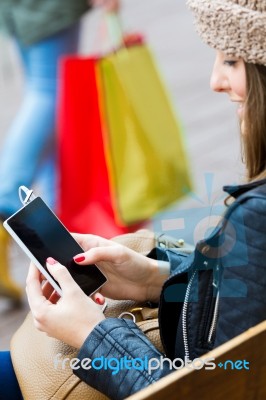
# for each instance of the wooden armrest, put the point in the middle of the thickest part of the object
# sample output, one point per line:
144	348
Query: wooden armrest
225	382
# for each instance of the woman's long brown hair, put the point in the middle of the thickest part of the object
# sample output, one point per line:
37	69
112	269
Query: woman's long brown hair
254	137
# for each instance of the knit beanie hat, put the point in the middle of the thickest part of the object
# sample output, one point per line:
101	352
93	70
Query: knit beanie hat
236	27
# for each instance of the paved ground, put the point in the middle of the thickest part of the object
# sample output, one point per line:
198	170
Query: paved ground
209	120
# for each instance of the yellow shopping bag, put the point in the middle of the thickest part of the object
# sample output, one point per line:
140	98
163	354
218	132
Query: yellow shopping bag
147	163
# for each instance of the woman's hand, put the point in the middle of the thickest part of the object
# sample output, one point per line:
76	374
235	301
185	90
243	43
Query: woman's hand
130	275
70	318
108	5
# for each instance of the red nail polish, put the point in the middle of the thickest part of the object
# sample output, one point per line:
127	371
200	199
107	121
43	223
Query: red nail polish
79	259
51	261
98	301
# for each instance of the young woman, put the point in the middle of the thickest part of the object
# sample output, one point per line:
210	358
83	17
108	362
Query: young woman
213	294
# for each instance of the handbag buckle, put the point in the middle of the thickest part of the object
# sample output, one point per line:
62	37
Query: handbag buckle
134	313
137	313
128	313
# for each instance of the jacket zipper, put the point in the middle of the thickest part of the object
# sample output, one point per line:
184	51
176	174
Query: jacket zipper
184	316
214	319
215	284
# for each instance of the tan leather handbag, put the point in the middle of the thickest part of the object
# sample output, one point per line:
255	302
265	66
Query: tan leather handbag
33	352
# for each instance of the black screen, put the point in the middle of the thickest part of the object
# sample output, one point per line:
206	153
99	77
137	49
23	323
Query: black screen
45	236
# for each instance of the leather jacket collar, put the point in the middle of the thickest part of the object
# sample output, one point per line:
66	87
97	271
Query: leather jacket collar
237	190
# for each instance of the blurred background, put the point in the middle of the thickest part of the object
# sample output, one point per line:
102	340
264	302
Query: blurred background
209	121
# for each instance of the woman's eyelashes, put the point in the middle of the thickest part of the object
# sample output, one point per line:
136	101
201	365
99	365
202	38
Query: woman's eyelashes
230	63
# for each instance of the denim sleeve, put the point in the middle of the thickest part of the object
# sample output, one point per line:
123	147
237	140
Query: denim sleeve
124	359
174	256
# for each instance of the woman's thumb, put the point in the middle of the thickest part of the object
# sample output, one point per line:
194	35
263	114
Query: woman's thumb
60	274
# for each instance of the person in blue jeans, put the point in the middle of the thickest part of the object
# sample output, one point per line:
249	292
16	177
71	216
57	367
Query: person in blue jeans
42	34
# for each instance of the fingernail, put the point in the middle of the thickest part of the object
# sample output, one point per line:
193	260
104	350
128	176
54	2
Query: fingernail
98	300
51	261
79	259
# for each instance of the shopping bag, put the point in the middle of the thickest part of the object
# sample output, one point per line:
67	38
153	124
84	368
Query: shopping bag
84	202
147	164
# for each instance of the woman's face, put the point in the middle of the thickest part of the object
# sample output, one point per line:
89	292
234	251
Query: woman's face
229	76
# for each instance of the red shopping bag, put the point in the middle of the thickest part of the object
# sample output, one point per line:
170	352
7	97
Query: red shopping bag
84	201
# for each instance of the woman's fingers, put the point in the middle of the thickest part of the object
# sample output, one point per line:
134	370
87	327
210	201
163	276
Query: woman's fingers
34	289
47	289
109	5
98	298
115	254
90	241
62	276
54	297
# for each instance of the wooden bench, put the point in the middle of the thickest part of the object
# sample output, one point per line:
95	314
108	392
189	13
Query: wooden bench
222	383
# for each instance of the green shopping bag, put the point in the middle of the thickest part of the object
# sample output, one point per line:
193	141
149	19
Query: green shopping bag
147	163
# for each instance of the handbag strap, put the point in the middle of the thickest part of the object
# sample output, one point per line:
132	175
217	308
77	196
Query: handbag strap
169	242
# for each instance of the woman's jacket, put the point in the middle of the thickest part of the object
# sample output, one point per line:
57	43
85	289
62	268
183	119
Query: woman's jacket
212	295
34	20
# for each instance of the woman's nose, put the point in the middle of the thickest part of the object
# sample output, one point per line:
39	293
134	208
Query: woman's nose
218	82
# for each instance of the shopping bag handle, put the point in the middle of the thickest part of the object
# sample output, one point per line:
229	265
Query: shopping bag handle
109	37
116	33
115	29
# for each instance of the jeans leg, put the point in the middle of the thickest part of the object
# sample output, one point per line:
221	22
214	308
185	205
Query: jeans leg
34	126
9	388
47	185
